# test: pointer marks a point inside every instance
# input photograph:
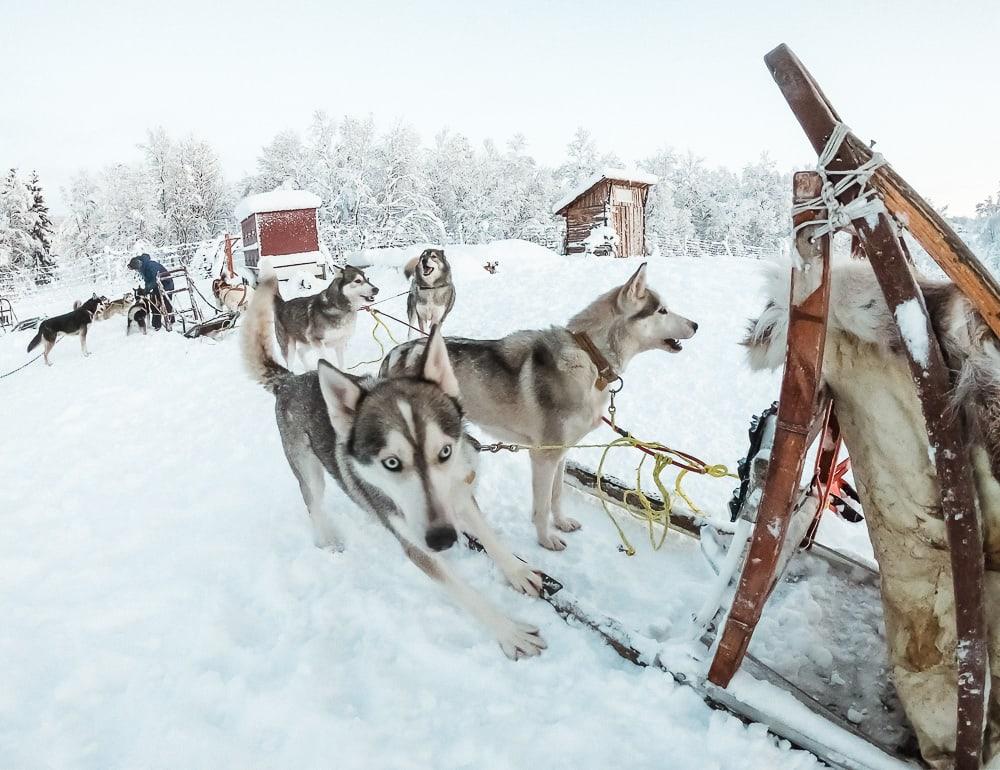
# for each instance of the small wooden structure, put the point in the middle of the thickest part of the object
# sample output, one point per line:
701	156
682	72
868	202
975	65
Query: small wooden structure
282	225
607	214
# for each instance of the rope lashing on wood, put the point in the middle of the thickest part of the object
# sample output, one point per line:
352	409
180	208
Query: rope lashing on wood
840	215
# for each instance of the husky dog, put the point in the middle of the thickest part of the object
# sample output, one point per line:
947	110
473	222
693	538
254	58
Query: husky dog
323	319
398	449
118	306
549	388
140	312
74	322
432	294
233	298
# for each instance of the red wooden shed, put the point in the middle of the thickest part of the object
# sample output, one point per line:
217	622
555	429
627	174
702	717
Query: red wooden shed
607	214
282	225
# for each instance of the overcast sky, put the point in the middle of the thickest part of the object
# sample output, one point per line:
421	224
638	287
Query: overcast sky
80	82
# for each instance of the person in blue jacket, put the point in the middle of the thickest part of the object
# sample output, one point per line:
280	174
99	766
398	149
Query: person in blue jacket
149	269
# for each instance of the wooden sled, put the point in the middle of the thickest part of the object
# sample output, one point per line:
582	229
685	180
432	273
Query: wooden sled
778	528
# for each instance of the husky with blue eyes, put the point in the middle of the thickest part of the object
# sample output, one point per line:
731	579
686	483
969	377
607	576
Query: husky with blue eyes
398	448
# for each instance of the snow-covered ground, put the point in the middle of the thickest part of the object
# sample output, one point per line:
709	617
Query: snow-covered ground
163	605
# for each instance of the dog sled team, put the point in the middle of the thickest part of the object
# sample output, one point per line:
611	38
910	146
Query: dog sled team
397	444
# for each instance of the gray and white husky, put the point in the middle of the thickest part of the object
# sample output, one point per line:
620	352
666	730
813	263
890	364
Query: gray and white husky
542	389
398	449
322	320
432	293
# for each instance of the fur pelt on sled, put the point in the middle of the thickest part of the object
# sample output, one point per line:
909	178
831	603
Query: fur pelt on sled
879	413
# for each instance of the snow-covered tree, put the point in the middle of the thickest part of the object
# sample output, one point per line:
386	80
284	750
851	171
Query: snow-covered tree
18	250
41	224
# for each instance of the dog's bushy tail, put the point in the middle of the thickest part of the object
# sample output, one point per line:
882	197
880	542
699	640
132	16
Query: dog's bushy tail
35	340
255	340
410	267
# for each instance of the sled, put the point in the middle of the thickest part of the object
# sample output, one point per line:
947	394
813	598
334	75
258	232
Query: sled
189	313
213	327
7	316
776	518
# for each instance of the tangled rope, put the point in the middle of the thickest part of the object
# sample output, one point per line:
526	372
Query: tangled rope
663	457
379	323
840	215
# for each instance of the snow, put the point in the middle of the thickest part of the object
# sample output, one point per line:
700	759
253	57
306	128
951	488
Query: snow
164	605
913	327
276	200
620	174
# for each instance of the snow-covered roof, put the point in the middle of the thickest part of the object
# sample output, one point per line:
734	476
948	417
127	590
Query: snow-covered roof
618	174
276	200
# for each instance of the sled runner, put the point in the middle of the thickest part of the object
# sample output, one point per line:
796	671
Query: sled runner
775	516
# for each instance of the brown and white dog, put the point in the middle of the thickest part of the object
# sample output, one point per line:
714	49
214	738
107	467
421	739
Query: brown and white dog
236	298
117	306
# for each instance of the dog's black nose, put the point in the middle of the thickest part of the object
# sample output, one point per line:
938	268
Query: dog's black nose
374	290
441	538
694	326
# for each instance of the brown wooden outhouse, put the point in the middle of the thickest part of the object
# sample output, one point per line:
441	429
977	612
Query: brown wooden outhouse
611	202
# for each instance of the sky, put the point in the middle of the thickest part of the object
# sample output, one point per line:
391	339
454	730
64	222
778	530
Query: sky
82	81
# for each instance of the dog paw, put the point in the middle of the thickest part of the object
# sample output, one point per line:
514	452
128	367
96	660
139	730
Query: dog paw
525	579
520	640
552	542
567	524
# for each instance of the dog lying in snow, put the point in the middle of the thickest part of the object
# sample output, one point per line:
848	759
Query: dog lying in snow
398	449
545	388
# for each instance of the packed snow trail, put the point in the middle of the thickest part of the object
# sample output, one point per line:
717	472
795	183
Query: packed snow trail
164	605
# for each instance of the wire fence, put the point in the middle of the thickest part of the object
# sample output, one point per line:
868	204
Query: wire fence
107	273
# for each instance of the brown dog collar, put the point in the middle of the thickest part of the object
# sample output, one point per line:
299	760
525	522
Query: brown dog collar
606	373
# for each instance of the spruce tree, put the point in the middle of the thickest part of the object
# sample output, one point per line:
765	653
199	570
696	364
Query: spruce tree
41	224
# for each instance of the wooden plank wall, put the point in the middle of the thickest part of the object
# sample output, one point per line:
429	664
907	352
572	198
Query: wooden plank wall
588	211
619	204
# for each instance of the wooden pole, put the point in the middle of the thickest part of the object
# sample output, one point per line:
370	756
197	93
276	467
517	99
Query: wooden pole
953	467
797	417
818	118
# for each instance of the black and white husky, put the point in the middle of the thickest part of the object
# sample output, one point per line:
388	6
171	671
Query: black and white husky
398	449
324	319
432	293
544	389
76	321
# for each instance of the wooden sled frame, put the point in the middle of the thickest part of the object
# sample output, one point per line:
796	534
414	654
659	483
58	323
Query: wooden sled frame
804	410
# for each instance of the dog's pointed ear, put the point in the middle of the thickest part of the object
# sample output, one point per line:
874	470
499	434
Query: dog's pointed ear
634	289
437	366
341	394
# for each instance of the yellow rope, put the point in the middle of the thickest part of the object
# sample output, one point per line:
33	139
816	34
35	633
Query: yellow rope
381	347
652	517
663	457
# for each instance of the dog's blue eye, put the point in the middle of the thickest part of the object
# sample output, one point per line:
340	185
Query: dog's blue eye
392	464
445	453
